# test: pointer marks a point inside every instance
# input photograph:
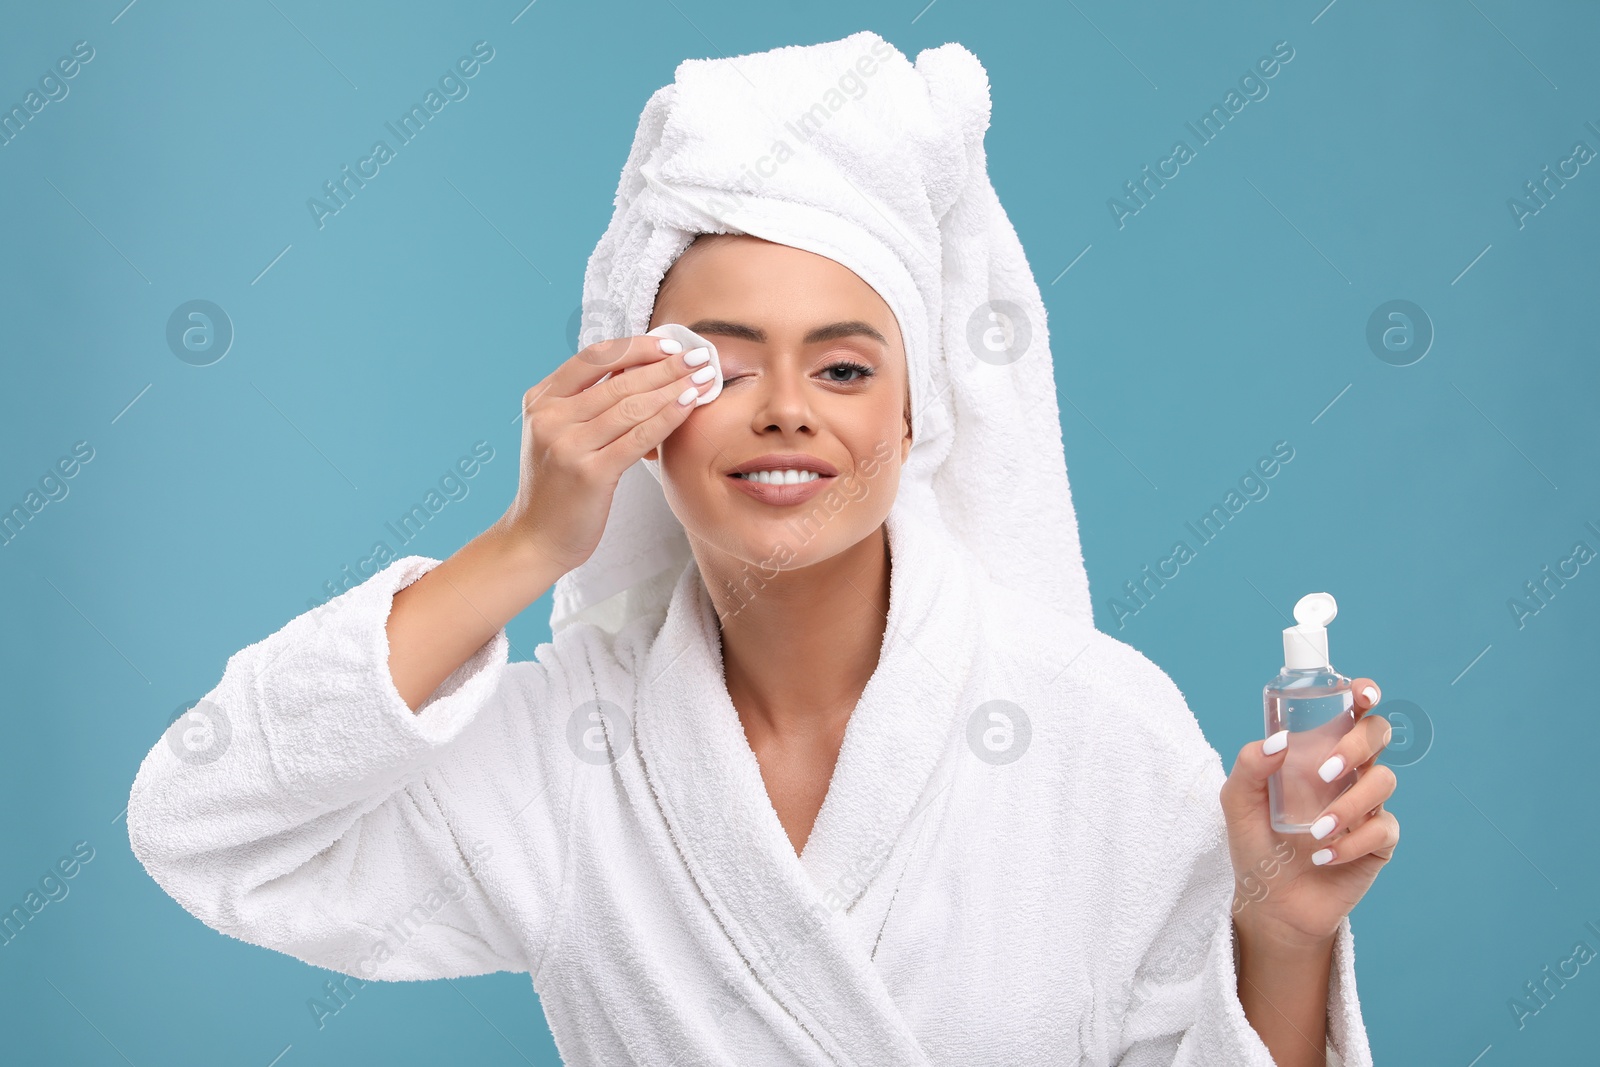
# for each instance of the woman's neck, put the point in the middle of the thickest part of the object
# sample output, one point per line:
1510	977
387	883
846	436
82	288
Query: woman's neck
799	647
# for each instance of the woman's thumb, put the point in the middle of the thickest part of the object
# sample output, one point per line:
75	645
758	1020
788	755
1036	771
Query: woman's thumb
1257	762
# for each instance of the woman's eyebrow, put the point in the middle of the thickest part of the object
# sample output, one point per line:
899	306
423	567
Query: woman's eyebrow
831	332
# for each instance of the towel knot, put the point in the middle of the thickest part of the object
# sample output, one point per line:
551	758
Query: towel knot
958	95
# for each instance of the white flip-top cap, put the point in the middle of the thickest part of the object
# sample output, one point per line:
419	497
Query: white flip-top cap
1305	645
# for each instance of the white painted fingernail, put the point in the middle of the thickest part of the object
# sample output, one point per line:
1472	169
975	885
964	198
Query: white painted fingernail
1322	827
669	346
703	375
1331	769
1371	694
1276	743
696	357
1321	856
688	395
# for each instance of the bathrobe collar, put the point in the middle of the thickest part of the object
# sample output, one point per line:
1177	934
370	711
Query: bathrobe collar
786	914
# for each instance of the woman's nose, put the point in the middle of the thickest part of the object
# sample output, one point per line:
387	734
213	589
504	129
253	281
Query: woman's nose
783	401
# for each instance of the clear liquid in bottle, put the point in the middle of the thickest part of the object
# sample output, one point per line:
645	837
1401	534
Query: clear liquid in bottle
1317	707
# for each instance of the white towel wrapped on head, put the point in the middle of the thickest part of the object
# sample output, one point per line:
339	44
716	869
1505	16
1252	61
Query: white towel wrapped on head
848	150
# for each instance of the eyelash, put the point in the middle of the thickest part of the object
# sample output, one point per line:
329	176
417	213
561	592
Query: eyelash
866	371
849	364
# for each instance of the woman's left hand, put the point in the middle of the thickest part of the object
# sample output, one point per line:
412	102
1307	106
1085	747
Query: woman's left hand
1294	888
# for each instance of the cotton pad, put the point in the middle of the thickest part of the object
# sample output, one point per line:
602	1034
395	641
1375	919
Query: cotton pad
690	341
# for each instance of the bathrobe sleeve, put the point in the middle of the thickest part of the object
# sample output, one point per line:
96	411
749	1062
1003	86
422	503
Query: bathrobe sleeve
1185	1009
302	806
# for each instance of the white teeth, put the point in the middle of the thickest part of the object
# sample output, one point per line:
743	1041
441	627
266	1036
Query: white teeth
788	477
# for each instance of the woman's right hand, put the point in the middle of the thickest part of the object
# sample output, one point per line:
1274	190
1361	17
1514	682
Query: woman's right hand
578	438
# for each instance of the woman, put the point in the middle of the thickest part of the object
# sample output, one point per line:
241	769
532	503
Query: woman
836	771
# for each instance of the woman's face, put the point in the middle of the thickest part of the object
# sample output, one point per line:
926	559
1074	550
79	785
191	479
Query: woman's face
813	366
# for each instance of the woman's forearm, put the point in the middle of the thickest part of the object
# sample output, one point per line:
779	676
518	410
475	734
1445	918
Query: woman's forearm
1284	991
441	619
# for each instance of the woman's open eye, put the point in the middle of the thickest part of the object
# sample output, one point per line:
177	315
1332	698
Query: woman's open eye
862	370
849	365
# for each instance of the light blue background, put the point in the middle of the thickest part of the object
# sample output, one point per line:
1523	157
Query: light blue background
1228	314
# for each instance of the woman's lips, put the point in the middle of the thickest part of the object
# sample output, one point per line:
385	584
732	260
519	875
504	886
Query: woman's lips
797	493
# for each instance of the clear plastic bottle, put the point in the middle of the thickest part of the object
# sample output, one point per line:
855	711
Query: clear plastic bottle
1316	704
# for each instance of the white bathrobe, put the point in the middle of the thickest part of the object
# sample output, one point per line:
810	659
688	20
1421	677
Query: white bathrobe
1049	886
